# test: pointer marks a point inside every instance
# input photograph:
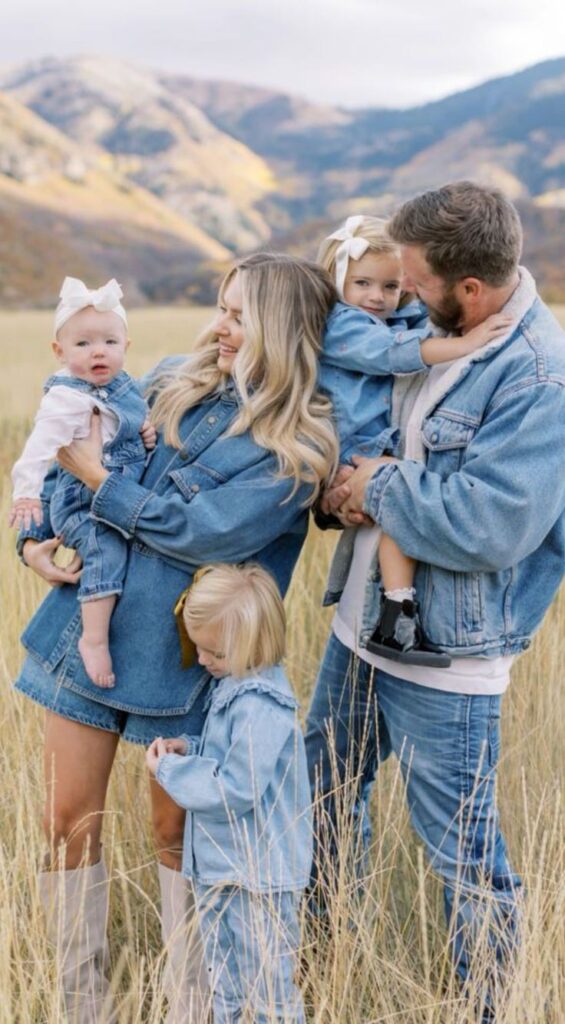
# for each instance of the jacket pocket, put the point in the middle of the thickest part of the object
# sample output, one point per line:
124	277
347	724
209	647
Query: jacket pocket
192	479
446	440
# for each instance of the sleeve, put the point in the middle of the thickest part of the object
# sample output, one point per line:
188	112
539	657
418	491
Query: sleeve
259	730
355	341
499	506
62	415
230	522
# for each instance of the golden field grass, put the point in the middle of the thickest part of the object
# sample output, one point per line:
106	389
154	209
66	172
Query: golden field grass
392	965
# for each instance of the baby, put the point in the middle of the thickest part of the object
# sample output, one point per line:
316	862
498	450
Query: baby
90	342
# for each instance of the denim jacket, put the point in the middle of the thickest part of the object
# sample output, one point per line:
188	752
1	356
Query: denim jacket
125	452
484	511
360	355
245	786
216	498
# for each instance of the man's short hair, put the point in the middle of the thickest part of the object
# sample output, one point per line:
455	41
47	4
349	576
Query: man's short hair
465	229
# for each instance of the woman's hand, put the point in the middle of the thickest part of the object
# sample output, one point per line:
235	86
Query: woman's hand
84	458
39	556
148	435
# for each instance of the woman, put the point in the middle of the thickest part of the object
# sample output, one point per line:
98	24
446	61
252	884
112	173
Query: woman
245	443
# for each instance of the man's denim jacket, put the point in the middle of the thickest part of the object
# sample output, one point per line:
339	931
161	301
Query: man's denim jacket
360	354
245	786
484	512
216	498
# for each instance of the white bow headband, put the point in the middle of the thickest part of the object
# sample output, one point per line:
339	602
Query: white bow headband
351	248
75	296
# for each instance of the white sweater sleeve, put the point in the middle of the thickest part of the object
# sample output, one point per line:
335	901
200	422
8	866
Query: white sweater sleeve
63	415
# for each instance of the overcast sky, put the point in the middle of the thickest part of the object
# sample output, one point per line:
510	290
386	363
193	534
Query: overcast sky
343	52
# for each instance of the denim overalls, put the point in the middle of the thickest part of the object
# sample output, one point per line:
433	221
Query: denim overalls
103	552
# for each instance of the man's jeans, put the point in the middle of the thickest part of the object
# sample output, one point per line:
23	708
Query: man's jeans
448	747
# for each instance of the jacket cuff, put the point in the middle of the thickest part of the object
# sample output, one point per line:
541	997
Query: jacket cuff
406	356
375	489
118	502
34	532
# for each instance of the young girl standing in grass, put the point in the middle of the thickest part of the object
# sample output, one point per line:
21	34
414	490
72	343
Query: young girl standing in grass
244	784
376	332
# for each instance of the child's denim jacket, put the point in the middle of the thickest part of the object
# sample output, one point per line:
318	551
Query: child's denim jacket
245	786
360	356
125	453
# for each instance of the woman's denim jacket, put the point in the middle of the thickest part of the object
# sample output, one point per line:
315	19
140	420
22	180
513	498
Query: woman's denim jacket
484	513
216	498
360	354
245	786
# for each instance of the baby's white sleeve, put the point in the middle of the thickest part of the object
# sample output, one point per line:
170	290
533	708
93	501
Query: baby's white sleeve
63	415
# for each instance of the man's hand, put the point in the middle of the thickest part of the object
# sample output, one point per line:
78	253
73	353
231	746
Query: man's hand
350	512
337	492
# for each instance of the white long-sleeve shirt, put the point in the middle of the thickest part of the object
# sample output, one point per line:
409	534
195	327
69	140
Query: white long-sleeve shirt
63	416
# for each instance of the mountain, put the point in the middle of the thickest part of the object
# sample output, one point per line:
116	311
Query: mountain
158	139
169	175
62	208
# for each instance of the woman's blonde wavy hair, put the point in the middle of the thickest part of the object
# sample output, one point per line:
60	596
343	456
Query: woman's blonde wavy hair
285	302
373	230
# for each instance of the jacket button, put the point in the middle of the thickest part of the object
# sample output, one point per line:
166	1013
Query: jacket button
212	419
195	488
183	455
102	393
435	438
526	644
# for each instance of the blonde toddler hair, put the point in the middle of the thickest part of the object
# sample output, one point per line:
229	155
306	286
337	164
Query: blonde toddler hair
338	249
285	303
245	602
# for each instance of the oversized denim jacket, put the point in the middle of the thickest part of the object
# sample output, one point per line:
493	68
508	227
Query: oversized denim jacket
484	512
360	354
217	498
245	786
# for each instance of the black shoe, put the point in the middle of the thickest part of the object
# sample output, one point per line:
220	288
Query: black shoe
399	636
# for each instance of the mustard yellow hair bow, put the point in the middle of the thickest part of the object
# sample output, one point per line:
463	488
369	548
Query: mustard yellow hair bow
187	648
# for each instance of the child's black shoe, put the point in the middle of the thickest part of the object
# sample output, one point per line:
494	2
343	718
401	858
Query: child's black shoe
399	636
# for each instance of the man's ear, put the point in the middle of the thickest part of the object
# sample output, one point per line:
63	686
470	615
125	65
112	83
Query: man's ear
470	288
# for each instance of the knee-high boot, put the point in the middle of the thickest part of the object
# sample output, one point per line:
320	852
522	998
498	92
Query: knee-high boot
185	982
76	909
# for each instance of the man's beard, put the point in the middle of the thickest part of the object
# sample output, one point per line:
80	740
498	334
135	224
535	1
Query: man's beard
450	315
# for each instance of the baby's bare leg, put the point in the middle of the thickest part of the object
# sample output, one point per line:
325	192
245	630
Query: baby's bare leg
397	569
93	644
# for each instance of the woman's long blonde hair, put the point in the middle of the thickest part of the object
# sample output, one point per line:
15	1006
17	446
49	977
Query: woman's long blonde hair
285	302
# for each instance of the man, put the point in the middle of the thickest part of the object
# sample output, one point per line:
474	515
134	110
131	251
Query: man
478	500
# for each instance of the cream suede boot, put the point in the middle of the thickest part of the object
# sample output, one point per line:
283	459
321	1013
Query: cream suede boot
185	981
76	909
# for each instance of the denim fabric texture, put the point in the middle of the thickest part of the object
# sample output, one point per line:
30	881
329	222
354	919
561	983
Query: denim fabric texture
250	942
448	748
244	785
103	552
483	514
360	354
217	498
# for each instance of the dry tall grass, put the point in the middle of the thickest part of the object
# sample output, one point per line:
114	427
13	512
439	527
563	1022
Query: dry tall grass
392	965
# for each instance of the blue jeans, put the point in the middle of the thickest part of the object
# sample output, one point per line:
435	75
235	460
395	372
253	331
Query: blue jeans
251	941
448	748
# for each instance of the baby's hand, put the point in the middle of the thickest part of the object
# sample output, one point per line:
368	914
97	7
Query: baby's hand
493	327
148	435
24	511
176	746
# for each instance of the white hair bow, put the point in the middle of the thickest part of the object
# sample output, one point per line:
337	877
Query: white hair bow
75	296
352	248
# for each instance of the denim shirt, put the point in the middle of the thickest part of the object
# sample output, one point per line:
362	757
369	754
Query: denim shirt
484	512
360	355
125	452
244	784
217	498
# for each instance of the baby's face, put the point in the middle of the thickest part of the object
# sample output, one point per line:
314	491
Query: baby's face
92	345
373	283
